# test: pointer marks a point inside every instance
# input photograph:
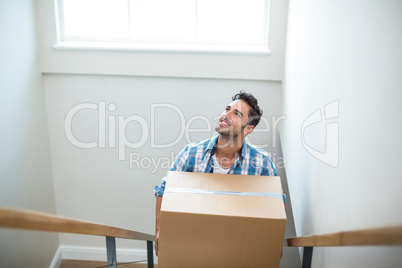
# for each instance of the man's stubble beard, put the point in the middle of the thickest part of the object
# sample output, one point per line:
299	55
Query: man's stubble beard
230	136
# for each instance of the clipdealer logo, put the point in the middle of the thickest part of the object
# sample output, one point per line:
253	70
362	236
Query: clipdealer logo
111	132
330	156
122	122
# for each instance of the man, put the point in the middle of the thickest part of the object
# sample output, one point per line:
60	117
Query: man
226	153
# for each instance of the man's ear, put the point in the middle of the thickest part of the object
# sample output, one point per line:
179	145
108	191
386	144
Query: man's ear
248	129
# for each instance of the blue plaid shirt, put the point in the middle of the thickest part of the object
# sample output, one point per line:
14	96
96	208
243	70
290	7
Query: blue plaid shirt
197	157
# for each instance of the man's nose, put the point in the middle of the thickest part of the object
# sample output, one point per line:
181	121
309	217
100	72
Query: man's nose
226	114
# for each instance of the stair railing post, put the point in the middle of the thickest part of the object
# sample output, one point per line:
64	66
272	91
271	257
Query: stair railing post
150	253
111	252
307	257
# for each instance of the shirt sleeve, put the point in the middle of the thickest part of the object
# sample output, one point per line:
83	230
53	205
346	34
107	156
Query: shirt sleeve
273	168
269	167
180	164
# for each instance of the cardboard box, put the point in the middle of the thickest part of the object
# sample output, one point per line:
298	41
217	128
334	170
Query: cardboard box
224	224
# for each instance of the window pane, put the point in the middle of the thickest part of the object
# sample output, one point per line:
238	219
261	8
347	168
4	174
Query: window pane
232	20
96	18
162	19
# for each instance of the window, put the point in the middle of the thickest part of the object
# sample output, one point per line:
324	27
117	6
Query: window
179	25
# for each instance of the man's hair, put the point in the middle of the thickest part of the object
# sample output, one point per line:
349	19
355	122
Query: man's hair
255	112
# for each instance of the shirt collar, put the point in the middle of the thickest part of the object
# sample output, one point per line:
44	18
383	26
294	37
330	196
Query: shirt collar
212	144
244	150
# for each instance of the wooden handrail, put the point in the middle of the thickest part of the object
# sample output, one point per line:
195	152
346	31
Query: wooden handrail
379	236
32	220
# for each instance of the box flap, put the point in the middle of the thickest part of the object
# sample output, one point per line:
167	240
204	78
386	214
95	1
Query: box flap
224	182
225	205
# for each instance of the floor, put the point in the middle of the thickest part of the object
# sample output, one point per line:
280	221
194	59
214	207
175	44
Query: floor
98	264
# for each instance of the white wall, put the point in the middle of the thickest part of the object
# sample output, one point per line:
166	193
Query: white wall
92	184
345	51
89	182
25	167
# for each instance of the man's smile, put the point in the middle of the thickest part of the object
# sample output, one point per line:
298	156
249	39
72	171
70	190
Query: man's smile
224	123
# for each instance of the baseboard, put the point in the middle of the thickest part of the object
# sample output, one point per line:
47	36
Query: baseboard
57	258
97	254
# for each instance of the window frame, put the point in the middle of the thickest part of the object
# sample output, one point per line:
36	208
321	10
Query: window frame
144	45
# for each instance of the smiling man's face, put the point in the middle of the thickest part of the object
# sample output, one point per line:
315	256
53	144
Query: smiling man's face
233	121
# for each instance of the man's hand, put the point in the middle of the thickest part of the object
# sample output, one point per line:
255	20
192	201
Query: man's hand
158	213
